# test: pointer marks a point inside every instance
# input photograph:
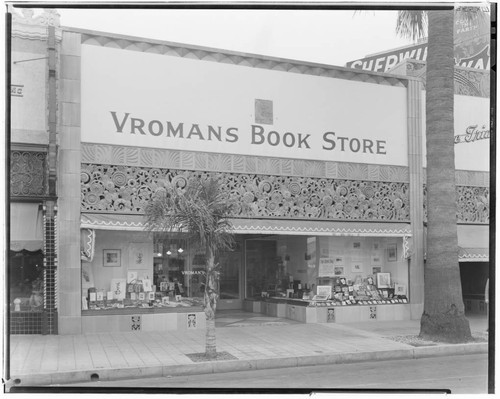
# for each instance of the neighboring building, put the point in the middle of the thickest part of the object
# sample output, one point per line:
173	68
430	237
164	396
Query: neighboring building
472	89
323	162
32	270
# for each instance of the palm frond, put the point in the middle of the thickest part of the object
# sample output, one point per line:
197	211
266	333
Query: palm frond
201	211
412	24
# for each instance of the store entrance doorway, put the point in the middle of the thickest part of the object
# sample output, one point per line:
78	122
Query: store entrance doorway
230	279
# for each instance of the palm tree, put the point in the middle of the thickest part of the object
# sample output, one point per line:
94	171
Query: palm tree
201	212
443	318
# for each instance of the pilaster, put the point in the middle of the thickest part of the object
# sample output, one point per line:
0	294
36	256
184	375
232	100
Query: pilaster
415	165
69	186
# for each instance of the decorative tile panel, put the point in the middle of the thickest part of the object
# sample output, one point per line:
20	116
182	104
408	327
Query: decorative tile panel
330	315
473	204
50	264
191	321
219	162
127	189
135	323
28	173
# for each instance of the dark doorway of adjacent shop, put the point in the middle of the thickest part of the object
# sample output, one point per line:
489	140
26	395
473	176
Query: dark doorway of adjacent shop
26	292
474	276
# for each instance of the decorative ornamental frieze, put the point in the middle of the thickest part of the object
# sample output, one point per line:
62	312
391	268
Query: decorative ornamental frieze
468	178
472	82
49	16
468	81
26	25
232	163
473	204
28	173
472	178
122	189
254	61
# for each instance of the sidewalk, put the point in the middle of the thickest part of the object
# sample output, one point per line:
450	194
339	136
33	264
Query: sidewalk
254	341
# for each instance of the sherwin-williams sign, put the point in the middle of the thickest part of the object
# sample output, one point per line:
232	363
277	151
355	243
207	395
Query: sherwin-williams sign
150	100
472	50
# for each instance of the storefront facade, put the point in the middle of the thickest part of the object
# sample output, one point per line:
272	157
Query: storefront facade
323	197
325	164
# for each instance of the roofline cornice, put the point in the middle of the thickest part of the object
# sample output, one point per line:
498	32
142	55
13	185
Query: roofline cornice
235	57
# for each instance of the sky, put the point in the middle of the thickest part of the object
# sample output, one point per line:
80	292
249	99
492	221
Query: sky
331	37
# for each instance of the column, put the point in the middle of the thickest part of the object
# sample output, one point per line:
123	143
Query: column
69	276
415	164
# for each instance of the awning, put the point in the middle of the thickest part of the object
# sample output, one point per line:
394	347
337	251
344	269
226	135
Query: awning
321	228
263	226
26	226
473	236
473	254
473	243
103	221
87	244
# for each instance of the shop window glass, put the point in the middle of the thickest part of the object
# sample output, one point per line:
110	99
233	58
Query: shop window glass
229	262
346	270
137	269
26	281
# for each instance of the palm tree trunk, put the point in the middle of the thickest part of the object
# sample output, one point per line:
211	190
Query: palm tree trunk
443	317
210	304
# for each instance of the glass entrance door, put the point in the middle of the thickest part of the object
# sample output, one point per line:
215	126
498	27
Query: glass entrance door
230	284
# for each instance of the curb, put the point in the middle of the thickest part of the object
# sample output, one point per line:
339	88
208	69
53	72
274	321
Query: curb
44	379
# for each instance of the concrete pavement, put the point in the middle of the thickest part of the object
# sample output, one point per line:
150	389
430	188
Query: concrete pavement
252	341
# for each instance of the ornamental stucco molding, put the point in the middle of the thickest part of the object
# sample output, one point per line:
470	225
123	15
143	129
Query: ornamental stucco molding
249	60
232	163
26	26
128	190
470	178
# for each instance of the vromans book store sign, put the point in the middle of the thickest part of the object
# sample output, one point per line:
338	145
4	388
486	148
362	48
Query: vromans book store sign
150	100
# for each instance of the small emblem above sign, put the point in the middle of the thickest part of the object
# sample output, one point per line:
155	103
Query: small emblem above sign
264	111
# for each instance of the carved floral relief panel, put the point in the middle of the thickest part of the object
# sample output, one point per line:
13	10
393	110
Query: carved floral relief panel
28	173
473	204
127	189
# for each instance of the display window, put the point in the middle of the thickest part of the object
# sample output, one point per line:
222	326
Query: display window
326	271
26	281
151	271
142	270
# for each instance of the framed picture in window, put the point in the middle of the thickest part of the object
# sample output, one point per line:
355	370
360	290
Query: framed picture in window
324	290
140	255
357	266
392	252
399	289
338	261
383	280
376	260
112	258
